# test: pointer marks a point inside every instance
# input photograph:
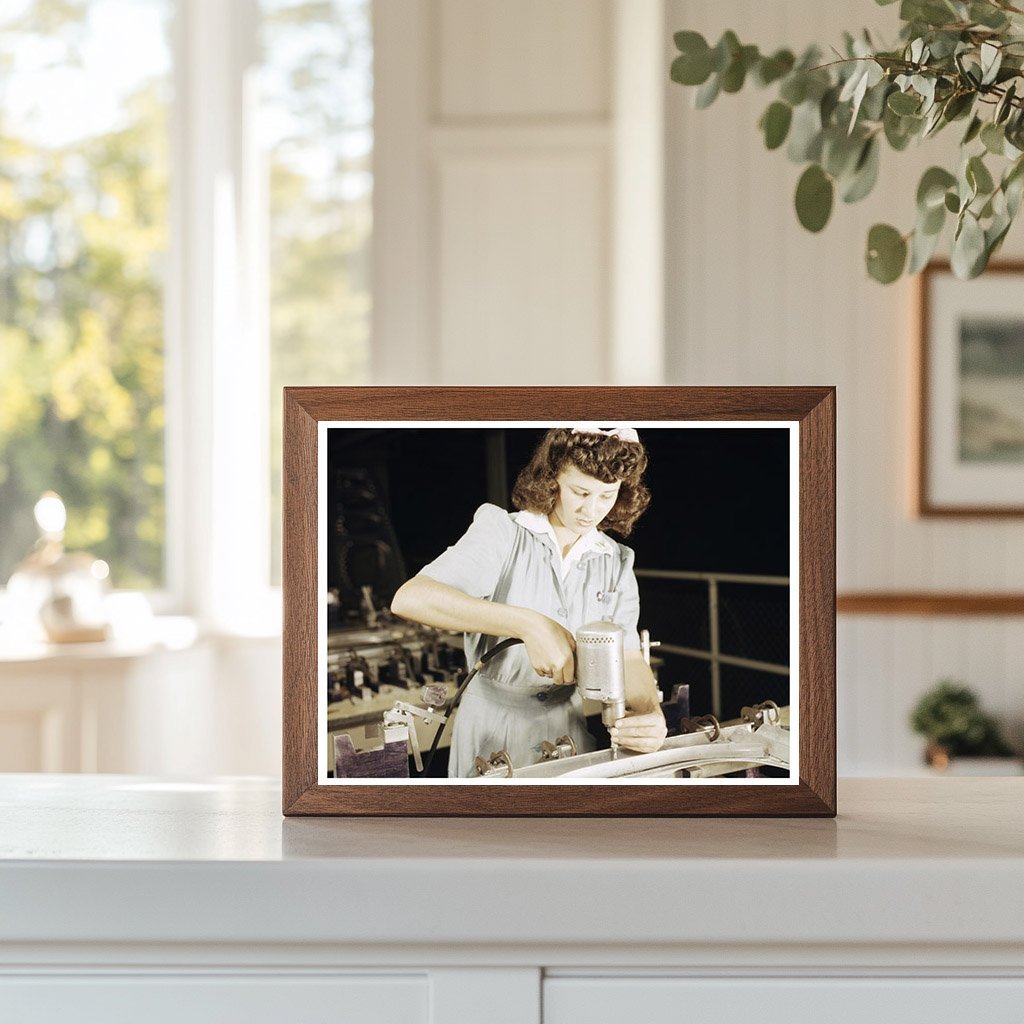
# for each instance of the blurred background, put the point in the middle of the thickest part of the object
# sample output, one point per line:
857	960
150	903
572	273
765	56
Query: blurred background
202	201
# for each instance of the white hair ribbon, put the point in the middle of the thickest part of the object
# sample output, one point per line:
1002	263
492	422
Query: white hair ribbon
622	433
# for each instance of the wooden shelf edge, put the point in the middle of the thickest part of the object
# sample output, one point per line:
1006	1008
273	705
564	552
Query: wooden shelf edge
928	603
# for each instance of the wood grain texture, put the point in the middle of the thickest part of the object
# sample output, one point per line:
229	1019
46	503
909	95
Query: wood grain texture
924	603
817	637
298	592
813	408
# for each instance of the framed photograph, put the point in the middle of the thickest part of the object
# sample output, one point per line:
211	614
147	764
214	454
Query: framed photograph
970	444
559	601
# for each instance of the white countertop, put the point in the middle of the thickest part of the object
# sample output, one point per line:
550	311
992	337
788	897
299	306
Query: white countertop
126	859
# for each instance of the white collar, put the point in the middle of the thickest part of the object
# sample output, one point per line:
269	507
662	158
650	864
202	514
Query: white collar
593	540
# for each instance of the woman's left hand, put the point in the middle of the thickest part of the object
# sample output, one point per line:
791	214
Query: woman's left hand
642	732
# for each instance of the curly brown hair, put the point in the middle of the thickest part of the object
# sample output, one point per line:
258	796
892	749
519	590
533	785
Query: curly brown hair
601	456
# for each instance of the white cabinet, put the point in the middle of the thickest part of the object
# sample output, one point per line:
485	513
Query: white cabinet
772	1000
205	999
125	898
99	707
176	704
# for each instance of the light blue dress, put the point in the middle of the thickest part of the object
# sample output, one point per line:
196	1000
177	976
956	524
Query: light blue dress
508	706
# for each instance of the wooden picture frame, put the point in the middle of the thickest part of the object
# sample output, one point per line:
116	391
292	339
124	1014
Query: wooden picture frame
806	413
969	448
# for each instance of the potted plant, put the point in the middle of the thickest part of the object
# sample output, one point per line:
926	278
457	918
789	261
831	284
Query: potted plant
950	718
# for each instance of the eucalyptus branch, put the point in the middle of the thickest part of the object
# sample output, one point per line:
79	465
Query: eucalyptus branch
834	116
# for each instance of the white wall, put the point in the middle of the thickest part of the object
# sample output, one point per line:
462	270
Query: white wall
752	298
505	136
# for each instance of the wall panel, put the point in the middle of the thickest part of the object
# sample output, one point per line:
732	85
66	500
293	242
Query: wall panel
518	241
531	58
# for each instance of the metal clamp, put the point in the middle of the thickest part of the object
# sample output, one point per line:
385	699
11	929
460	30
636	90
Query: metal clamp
499	765
646	643
403	716
759	714
707	724
562	747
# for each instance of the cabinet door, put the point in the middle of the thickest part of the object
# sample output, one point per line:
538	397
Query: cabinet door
596	1000
206	999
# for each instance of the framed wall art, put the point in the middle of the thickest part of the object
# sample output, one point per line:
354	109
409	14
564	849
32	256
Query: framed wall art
559	601
970	423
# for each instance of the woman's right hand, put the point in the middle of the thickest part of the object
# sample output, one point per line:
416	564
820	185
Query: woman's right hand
551	649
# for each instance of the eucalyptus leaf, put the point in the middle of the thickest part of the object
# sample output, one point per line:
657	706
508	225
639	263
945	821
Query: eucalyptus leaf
993	138
958	105
840	152
943	44
805	133
1013	191
968	246
865	173
991	59
810	58
690	42
814	195
931	12
900	130
925	88
827	105
978	176
987	15
873	106
771	69
858	97
994	235
817	83
933	122
903	103
1004	106
952	202
886	253
931	190
794	88
736	73
775	123
707	93
932	221
693	65
1013	186
922	248
725	50
966	189
972	131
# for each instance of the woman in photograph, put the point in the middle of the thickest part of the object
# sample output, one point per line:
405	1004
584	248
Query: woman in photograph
538	574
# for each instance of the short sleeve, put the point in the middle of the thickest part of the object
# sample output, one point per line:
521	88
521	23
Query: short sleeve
473	564
627	610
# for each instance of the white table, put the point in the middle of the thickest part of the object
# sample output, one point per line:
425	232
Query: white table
196	901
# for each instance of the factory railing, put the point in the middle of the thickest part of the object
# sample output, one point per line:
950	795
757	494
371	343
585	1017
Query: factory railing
714	655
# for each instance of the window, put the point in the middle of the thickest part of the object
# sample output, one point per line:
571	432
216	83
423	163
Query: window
185	222
317	119
83	237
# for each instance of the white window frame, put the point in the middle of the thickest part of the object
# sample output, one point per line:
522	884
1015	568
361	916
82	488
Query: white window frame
217	351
